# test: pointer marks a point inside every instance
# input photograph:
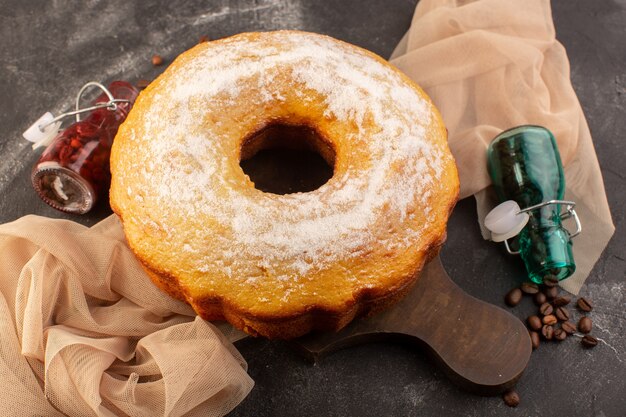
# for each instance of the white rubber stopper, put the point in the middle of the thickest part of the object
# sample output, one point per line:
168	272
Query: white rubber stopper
39	136
505	221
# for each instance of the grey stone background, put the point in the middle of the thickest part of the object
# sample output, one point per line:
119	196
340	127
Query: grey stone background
49	49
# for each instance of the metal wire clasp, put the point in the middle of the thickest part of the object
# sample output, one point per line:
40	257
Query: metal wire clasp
109	105
46	128
568	213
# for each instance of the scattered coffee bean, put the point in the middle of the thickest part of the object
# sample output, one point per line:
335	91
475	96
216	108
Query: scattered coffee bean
568	327
157	60
545	309
551	311
562	314
534	339
550	320
534	322
547	332
585	324
511	398
529	288
551	292
203	38
142	83
584	304
513	297
562	301
560	335
539	298
589	341
550	281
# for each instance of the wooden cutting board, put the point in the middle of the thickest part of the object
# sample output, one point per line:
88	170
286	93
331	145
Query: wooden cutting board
482	348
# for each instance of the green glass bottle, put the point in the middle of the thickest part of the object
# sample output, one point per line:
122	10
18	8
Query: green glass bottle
525	166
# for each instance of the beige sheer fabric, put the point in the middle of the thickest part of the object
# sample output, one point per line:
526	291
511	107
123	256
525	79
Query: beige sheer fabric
84	332
490	65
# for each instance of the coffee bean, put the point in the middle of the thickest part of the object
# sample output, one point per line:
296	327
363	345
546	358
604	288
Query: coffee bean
534	339
585	324
539	298
562	314
547	332
560	335
568	327
589	341
511	398
584	304
545	309
534	322
513	297
550	281
550	320
157	60
551	292
529	288
562	301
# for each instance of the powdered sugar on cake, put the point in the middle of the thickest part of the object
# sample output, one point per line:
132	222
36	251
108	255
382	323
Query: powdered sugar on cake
306	231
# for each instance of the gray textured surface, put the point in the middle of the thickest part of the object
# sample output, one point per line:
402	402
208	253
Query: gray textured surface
49	49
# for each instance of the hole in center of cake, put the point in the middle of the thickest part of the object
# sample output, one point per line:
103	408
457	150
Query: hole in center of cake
285	159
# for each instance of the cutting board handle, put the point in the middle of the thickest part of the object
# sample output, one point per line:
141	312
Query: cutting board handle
482	348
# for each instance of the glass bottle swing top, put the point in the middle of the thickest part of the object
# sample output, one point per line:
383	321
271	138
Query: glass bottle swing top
44	130
505	221
526	170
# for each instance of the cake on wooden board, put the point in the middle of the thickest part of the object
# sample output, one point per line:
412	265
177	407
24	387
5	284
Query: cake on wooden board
283	265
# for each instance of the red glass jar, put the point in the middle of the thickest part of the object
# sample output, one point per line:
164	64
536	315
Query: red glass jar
73	172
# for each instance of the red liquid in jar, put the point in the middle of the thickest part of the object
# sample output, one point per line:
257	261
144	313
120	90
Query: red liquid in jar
73	172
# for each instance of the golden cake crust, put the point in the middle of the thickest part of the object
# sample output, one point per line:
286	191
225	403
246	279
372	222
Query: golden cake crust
283	265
